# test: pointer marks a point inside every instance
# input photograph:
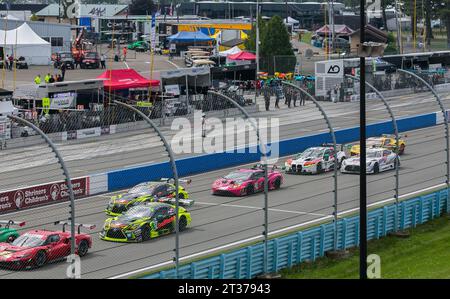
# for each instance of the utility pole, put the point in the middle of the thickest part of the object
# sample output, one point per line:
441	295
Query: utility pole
362	158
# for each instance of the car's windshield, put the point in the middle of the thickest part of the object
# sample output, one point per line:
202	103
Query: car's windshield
90	55
373	154
141	188
238	176
65	55
136	212
312	153
28	240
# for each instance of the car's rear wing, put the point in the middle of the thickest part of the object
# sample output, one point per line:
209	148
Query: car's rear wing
8	223
339	147
78	225
181	201
172	180
393	136
261	166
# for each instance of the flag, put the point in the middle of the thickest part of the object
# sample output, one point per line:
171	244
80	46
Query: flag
153	32
171	9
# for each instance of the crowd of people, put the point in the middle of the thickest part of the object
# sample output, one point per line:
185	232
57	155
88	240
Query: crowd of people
52	78
290	94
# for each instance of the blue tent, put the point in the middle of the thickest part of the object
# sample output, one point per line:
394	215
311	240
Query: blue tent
186	37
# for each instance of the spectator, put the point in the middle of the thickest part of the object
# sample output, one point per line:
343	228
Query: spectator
47	78
63	71
7	62
103	61
295	97
266	93
11	62
124	53
59	78
37	79
52	79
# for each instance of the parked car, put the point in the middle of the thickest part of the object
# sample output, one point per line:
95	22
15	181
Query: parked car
90	60
63	57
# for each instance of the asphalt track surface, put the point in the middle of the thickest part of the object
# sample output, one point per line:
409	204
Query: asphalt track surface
25	166
223	220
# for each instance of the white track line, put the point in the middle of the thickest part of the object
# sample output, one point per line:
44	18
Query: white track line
173	64
248	240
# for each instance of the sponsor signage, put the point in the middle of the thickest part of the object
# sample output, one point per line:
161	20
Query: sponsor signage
328	75
173	89
92	132
63	100
43	194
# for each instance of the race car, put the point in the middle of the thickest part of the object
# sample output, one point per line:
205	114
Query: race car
162	191
314	160
377	160
246	181
35	248
8	234
386	141
143	222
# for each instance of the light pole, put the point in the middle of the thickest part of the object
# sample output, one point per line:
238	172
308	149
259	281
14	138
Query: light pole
362	158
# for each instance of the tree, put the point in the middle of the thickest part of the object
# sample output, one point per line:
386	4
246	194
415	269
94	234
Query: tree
250	42
276	42
141	7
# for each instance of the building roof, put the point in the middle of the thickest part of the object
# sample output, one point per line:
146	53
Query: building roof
23	7
86	10
373	34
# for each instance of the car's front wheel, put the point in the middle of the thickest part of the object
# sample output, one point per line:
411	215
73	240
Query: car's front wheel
182	223
250	190
40	259
277	184
83	248
145	231
376	168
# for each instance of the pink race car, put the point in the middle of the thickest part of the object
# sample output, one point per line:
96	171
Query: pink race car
246	181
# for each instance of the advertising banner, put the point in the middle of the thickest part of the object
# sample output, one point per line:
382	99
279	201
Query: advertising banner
42	194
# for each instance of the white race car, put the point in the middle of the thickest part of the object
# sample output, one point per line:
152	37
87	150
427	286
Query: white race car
377	160
314	160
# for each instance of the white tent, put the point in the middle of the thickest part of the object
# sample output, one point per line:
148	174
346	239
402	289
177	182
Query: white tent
291	21
23	41
231	51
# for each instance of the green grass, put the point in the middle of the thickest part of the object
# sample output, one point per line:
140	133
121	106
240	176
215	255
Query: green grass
306	37
425	254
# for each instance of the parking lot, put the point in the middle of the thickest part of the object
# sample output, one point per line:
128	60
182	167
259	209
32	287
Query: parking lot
136	60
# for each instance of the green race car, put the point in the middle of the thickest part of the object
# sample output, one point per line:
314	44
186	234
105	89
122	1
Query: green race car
8	234
144	222
162	191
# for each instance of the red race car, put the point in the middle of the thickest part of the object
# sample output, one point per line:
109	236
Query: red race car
246	181
35	248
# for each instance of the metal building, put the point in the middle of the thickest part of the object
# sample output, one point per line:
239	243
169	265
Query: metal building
59	35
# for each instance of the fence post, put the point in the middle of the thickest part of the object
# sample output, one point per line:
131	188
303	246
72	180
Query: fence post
249	262
397	145
299	247
222	266
68	182
263	150
175	176
444	114
336	162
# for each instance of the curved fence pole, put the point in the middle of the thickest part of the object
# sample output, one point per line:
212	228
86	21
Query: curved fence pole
68	182
394	125
263	151
444	113
175	176
335	168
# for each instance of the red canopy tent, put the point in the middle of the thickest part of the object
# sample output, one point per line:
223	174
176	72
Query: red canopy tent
242	56
125	79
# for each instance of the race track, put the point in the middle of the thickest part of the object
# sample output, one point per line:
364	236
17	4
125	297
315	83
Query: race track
223	220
